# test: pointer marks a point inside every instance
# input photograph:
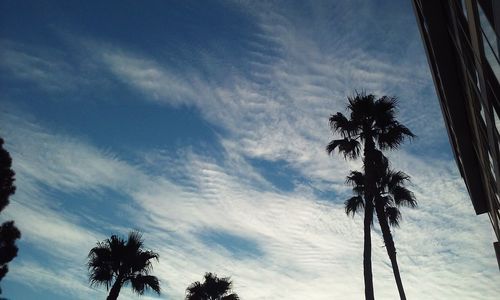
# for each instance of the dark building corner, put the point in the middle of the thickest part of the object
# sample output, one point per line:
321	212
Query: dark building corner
461	39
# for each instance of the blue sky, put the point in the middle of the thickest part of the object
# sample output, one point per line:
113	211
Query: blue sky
203	124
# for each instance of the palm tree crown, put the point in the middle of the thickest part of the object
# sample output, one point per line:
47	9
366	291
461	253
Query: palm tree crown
391	193
116	262
213	288
394	194
370	119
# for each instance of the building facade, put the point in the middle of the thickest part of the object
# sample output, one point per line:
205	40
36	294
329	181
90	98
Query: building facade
462	43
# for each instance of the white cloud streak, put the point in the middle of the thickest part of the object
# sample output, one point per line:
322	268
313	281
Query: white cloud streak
276	112
305	244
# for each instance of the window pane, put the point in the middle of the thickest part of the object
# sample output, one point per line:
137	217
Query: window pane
463	8
497	121
488	31
490	43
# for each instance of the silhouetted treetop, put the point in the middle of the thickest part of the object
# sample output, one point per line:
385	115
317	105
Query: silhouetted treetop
116	262
8	231
213	288
370	118
7	187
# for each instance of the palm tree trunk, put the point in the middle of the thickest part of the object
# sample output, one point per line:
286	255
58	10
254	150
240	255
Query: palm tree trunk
115	289
367	253
370	188
391	249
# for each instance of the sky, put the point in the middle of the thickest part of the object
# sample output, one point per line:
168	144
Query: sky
203	124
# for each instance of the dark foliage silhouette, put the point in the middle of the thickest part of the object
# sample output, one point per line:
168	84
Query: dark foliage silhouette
8	231
7	187
370	126
390	196
116	262
213	288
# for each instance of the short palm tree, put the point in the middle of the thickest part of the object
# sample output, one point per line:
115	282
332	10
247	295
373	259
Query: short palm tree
213	288
371	125
116	262
391	194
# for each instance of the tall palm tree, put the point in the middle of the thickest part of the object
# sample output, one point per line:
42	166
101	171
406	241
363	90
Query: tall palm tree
391	195
213	288
116	262
371	123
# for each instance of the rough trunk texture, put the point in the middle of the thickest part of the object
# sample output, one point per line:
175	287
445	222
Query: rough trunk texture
367	254
391	249
370	187
115	289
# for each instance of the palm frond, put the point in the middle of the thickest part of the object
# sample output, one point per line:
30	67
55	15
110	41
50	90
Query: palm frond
134	241
398	178
361	106
358	190
195	291
213	287
354	205
384	111
355	178
350	148
141	283
333	145
102	275
141	261
404	197
116	246
339	123
100	265
216	287
393	215
393	136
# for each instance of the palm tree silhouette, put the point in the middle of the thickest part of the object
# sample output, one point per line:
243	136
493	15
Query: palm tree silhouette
391	194
213	288
371	123
116	262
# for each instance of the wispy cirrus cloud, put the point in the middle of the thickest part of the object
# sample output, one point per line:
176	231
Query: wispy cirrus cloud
278	110
66	281
298	75
198	209
41	67
299	240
